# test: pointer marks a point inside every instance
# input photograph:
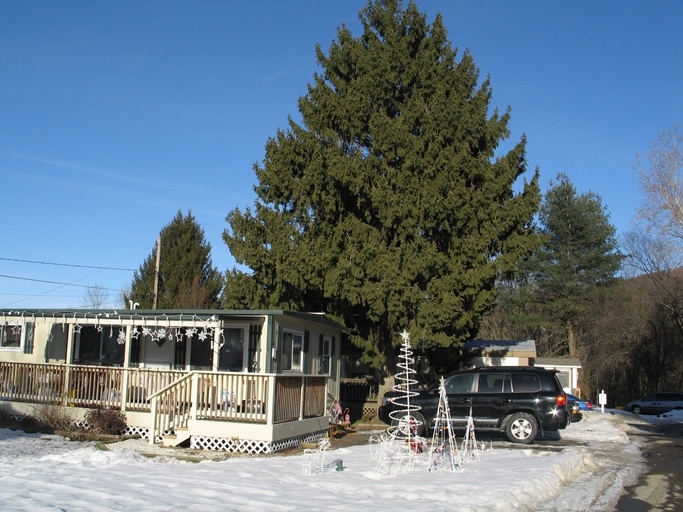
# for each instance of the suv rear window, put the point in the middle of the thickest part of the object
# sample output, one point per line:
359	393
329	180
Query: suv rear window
525	382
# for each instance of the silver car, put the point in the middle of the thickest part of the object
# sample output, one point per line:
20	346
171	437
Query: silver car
657	403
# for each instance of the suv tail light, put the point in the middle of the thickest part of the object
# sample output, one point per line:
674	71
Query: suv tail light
561	400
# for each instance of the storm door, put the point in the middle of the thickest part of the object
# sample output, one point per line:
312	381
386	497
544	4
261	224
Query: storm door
232	354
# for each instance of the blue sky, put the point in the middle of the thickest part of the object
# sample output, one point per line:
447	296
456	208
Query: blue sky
115	115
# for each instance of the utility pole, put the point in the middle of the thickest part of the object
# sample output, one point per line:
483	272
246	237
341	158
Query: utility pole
156	274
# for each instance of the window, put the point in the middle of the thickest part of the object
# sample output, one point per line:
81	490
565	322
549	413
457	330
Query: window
563	377
292	350
12	336
325	352
491	382
98	345
460	383
525	382
201	353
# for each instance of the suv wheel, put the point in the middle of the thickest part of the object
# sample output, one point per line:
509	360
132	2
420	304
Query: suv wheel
636	409
521	428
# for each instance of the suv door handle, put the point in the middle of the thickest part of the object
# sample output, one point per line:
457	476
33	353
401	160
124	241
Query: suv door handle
465	400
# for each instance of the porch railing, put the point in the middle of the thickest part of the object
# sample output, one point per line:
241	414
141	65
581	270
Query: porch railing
179	395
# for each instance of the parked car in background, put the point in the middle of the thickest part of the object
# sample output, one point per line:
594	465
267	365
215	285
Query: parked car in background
584	405
574	410
657	403
517	400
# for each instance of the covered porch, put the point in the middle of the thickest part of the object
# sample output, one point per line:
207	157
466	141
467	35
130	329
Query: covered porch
256	413
255	380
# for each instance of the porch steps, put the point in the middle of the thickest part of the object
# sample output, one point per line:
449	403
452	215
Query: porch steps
181	435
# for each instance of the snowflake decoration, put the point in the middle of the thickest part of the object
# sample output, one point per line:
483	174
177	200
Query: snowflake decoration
121	338
158	334
202	335
190	331
146	331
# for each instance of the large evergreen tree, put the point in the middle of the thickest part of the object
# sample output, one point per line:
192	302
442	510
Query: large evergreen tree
387	206
187	278
577	262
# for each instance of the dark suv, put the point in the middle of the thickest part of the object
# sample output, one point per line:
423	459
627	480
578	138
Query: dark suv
518	400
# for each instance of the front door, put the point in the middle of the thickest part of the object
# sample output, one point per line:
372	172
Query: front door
234	356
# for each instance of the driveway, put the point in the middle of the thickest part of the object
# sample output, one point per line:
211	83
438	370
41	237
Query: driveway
661	487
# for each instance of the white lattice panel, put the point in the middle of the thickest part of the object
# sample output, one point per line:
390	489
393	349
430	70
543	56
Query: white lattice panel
249	446
143	432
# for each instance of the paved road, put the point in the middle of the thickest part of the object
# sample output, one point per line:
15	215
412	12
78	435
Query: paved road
661	488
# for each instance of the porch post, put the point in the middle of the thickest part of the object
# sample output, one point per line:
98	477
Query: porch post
69	361
216	348
69	344
194	395
270	365
153	427
302	400
188	351
126	367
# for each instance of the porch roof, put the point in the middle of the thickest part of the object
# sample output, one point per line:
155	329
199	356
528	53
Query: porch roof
202	315
558	361
500	348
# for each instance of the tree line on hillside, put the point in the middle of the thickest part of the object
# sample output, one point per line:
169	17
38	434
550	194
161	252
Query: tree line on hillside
390	205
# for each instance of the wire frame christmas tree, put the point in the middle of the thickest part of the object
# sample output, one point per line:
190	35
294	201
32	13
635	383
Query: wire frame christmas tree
405	425
470	449
443	451
395	451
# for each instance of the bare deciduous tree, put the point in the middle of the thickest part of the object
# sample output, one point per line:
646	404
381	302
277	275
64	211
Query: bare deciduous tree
95	297
662	184
649	254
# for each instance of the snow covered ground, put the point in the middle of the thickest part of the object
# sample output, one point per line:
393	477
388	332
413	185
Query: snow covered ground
589	472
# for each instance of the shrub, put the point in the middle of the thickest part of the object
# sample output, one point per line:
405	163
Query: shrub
106	421
52	417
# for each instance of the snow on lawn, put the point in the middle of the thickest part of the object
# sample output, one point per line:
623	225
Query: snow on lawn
588	472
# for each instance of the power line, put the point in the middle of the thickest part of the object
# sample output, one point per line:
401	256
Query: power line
33	295
62	285
55	282
68	265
